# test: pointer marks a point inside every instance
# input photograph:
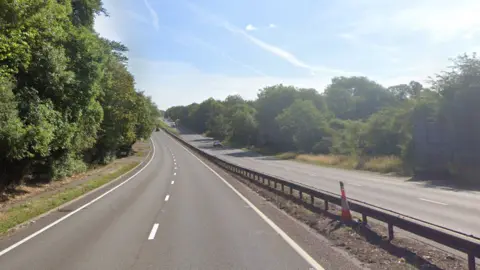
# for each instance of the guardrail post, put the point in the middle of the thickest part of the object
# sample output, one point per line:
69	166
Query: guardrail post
283	188
325	205
312	199
364	219
301	195
471	262
291	191
390	231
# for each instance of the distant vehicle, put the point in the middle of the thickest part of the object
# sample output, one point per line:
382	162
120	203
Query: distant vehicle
217	144
158	129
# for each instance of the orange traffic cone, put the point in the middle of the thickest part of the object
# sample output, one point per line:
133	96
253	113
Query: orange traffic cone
346	216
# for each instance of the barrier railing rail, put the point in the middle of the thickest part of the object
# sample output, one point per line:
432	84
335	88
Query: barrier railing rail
435	233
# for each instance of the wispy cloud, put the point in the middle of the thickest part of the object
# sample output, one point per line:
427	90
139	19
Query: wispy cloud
283	54
272	25
250	27
153	14
275	50
191	40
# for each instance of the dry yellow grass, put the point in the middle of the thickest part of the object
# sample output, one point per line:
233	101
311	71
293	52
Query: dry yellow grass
346	162
385	164
287	155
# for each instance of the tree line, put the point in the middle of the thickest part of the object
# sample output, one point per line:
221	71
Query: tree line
356	116
67	99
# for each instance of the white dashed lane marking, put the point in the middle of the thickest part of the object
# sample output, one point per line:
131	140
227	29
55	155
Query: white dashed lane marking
153	232
430	201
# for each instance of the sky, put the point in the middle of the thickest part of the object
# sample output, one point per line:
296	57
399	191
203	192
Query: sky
182	52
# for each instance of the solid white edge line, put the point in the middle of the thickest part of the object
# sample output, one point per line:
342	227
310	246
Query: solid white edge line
167	197
31	236
430	201
151	236
274	226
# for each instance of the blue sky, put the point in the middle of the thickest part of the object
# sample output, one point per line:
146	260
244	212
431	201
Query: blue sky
186	51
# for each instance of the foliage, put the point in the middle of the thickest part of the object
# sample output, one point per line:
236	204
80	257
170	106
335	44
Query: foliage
304	124
370	126
66	96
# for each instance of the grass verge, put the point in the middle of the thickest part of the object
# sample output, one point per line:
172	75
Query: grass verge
382	164
167	127
28	210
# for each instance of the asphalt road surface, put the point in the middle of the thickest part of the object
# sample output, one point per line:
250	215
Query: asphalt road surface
453	208
176	213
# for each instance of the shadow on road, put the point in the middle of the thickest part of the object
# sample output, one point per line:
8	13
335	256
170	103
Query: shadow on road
244	154
210	147
184	131
445	182
203	140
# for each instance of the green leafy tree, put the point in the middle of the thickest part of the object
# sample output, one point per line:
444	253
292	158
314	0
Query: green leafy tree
356	97
243	125
304	124
270	103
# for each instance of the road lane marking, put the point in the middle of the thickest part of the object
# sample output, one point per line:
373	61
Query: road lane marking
173	182
151	236
33	235
430	201
352	184
312	174
274	226
175	168
174	173
167	197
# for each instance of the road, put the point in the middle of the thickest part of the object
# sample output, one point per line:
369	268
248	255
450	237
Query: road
174	214
456	209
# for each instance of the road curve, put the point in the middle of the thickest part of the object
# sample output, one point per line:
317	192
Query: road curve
452	208
175	214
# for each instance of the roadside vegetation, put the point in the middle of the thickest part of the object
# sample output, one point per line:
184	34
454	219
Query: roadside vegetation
32	208
67	100
357	123
163	125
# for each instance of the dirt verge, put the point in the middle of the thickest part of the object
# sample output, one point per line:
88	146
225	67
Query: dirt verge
27	202
369	244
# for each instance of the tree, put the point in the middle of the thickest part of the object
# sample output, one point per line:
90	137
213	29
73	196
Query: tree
356	97
304	124
243	125
403	92
63	91
460	92
270	103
